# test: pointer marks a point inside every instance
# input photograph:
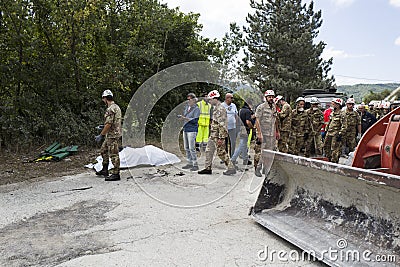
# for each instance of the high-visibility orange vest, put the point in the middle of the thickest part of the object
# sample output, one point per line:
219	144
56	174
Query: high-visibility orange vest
205	108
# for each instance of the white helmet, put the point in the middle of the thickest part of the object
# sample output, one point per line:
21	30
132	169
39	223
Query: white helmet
269	93
213	94
279	97
300	99
350	101
338	101
386	105
107	93
314	100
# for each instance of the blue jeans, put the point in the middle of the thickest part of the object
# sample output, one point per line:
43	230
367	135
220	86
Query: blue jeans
242	149
189	143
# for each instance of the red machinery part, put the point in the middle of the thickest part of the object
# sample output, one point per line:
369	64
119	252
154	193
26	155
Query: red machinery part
379	147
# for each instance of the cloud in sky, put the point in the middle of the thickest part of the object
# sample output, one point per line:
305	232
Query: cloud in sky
395	3
345	3
341	54
397	41
215	23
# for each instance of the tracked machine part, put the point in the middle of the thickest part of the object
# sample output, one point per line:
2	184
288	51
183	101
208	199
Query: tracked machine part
341	215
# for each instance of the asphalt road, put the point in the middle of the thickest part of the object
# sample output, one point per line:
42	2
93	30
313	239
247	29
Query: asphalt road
161	216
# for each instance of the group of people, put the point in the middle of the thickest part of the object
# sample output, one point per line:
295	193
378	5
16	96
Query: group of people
226	124
206	124
331	133
210	125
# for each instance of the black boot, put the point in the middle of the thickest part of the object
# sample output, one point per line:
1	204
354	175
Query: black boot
229	172
205	171
113	177
103	171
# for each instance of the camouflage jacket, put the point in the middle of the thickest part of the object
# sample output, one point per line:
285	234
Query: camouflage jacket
353	119
285	118
266	116
316	119
113	116
219	125
337	123
300	123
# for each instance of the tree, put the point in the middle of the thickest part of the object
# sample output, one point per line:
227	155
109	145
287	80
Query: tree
281	53
376	96
56	58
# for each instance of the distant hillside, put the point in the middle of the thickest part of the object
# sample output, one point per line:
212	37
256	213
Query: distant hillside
360	90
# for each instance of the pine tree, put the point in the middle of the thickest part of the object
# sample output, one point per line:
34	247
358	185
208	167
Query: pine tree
281	53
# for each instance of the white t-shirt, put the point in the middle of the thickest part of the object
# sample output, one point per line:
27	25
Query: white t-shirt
231	111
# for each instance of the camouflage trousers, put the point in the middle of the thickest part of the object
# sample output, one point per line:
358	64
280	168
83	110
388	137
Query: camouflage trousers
109	150
296	143
269	142
332	148
313	144
222	154
350	140
283	142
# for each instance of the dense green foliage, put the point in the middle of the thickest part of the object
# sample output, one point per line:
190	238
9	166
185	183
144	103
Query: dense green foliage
281	52
56	58
368	92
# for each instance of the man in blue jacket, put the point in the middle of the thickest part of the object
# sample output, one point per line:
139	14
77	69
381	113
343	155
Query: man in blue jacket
190	118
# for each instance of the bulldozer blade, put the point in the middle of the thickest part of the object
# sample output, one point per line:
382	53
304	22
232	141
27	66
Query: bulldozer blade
338	214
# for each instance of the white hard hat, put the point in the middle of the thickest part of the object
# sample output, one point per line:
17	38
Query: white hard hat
338	101
107	93
269	93
314	100
213	94
300	99
279	97
350	101
386	105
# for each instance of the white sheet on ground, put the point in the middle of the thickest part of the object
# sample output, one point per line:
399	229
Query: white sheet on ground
131	157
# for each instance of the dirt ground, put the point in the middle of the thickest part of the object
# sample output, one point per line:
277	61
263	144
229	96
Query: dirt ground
18	167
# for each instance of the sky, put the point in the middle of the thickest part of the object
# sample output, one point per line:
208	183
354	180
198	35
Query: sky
362	36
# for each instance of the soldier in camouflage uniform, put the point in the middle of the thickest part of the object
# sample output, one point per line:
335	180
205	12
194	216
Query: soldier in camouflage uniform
285	122
353	131
334	132
316	119
112	132
373	110
267	129
218	133
300	127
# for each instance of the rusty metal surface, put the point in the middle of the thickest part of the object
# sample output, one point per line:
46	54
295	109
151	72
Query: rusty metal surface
324	199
